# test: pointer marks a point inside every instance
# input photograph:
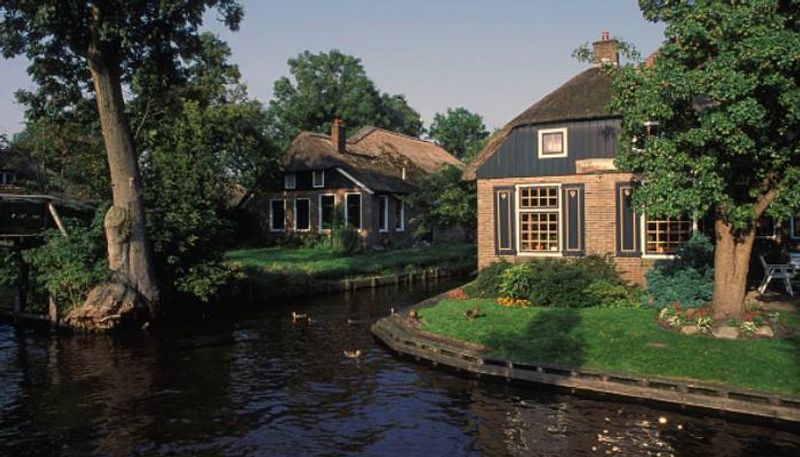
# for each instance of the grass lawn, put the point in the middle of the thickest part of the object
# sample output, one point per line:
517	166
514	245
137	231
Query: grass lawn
623	340
298	263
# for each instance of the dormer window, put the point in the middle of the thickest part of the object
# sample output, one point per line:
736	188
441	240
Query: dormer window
552	143
289	180
318	178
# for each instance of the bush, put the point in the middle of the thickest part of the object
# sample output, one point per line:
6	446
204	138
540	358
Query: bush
487	284
560	284
516	281
688	279
607	294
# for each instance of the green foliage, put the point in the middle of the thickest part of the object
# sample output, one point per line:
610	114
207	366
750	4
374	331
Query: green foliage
345	239
9	268
460	132
607	294
725	92
487	284
445	200
687	279
516	282
333	84
68	267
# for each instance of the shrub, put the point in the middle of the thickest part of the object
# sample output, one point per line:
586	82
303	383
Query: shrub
688	279
516	281
487	284
608	294
560	284
344	237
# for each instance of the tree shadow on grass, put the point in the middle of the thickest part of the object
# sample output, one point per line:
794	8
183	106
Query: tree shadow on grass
553	336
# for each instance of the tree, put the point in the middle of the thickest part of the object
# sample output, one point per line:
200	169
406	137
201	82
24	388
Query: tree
79	46
460	132
445	200
724	91
327	85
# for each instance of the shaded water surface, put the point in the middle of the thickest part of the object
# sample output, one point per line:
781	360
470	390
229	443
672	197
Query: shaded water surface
256	384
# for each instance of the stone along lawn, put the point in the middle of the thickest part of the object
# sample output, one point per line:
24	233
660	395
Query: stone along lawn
623	340
298	264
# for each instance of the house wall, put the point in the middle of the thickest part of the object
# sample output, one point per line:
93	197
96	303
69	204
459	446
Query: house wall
519	154
599	213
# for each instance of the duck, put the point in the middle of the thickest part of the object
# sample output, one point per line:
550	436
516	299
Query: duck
392	311
473	313
353	354
298	318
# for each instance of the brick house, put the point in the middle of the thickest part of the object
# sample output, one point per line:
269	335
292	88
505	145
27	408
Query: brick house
548	186
365	177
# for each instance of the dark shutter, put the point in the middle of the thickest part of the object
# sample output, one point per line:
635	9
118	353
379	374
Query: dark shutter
573	220
504	241
628	236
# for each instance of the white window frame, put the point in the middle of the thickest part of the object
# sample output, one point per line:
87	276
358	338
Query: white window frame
517	211
792	222
385	216
542	132
402	227
293	181
294	214
314	183
272	216
7	178
774	236
361	209
319	211
643	232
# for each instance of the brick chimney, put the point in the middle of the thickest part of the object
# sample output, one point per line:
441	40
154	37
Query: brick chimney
338	137
606	50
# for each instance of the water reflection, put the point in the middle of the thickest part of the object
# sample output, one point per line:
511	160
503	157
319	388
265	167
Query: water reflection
257	384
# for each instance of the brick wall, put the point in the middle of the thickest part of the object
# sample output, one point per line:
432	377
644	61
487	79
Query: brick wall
599	213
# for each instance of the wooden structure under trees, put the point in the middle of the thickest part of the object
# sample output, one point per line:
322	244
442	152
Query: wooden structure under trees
23	220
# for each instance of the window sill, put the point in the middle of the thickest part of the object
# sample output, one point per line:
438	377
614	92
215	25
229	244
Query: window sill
399	230
383	230
658	256
539	254
277	230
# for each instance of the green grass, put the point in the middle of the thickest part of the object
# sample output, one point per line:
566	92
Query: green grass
298	263
623	340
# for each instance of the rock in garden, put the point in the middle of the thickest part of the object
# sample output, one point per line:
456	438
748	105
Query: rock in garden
108	306
690	329
726	332
765	331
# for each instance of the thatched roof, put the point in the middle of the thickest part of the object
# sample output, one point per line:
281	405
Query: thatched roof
374	156
585	96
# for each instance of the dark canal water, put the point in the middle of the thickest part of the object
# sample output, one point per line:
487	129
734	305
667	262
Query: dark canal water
255	384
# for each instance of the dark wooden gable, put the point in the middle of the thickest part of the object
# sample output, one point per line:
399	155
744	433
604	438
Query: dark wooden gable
518	156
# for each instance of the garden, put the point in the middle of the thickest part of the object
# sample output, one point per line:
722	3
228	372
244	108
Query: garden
580	313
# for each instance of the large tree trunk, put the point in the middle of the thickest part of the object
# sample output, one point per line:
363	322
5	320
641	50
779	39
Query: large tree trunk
731	265
129	253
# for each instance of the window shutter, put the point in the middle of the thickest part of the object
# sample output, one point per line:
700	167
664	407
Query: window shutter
574	231
628	236
504	241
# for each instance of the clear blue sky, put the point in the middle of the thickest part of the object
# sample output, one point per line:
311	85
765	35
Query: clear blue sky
493	57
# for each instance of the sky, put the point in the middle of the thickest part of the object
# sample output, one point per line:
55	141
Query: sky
494	58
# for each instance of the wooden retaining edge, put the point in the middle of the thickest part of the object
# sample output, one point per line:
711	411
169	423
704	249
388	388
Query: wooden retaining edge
404	339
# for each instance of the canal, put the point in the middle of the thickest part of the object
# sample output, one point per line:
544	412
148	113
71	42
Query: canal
254	383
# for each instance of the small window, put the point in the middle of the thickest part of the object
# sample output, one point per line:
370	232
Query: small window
352	210
765	227
302	214
318	178
6	178
383	212
665	236
277	215
539	211
795	233
399	215
290	180
552	143
327	204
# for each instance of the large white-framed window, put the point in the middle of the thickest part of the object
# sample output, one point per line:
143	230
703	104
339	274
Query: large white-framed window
327	211
302	214
290	181
399	215
539	219
553	143
318	178
352	210
663	236
277	215
383	213
7	178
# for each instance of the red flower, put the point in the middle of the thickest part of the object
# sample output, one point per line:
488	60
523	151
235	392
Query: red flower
749	315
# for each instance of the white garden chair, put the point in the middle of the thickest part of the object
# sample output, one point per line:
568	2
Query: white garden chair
772	271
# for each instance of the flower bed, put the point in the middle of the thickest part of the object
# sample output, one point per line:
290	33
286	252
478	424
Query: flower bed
757	322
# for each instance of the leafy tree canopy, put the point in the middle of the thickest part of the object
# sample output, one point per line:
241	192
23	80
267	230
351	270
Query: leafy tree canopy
445	200
333	84
460	132
725	92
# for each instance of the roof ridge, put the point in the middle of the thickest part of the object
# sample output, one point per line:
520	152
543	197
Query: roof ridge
402	135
